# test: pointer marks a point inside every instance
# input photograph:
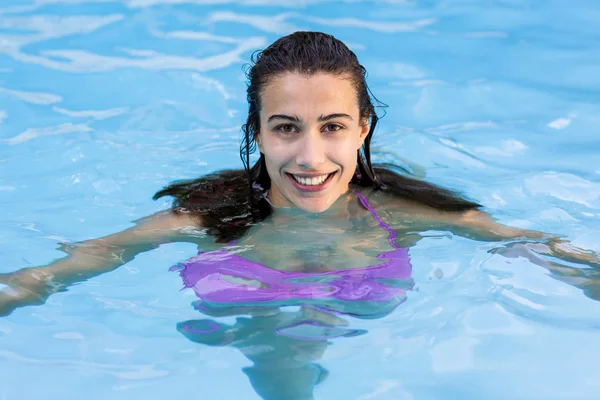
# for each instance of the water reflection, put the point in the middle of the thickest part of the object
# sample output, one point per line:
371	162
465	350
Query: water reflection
284	366
284	345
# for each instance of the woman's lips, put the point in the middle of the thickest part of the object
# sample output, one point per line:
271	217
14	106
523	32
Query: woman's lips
304	183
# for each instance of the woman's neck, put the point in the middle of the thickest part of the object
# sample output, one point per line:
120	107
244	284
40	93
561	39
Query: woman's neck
338	209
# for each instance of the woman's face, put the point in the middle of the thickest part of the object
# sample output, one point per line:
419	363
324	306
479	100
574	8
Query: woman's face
310	130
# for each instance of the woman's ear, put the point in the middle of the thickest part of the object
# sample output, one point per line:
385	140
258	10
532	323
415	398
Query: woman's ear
364	132
259	143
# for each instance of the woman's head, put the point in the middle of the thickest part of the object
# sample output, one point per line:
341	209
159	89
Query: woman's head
310	113
302	81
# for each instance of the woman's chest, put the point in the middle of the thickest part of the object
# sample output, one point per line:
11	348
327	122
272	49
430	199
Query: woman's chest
316	246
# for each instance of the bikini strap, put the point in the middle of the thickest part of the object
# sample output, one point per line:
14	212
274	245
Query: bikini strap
365	203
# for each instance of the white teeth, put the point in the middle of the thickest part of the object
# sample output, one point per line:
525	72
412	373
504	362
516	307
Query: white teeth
313	181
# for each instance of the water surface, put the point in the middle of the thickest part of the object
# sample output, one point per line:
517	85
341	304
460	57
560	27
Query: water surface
102	102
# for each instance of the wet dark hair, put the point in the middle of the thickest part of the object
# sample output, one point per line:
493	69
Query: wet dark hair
230	201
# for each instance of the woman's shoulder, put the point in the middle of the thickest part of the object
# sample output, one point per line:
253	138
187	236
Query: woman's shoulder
385	201
402	210
399	191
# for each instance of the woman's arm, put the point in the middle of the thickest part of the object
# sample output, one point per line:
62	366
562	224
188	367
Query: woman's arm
90	258
480	225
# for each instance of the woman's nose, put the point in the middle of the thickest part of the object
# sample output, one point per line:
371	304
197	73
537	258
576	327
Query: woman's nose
311	153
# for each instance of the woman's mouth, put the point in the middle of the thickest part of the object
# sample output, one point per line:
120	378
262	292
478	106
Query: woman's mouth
312	183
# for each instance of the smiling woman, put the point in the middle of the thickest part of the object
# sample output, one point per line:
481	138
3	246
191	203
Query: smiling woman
319	225
313	130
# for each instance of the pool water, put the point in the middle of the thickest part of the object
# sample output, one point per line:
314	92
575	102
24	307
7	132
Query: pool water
103	102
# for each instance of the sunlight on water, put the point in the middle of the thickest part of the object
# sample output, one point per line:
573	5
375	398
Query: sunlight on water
103	102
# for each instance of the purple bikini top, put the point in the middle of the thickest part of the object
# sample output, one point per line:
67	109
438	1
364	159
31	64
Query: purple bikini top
215	278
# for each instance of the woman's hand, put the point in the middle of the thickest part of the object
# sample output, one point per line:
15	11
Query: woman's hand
567	251
24	288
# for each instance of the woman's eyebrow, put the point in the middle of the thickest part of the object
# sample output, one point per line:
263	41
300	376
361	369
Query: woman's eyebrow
293	118
324	118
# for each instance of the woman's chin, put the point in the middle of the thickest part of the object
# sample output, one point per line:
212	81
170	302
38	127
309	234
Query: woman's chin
315	205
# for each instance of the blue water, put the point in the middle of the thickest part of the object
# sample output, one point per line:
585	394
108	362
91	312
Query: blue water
103	102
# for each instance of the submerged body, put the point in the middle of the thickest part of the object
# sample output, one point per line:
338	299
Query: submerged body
223	278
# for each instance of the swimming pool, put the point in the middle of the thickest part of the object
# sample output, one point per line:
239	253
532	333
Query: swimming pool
103	102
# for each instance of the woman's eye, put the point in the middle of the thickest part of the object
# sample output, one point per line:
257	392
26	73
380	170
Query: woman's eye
287	128
332	127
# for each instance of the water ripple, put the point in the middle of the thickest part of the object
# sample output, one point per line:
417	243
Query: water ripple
33	97
34	133
134	372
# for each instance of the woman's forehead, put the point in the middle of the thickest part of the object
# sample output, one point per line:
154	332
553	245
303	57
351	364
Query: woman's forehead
301	93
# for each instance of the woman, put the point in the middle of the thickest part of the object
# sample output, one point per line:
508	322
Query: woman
312	193
311	224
